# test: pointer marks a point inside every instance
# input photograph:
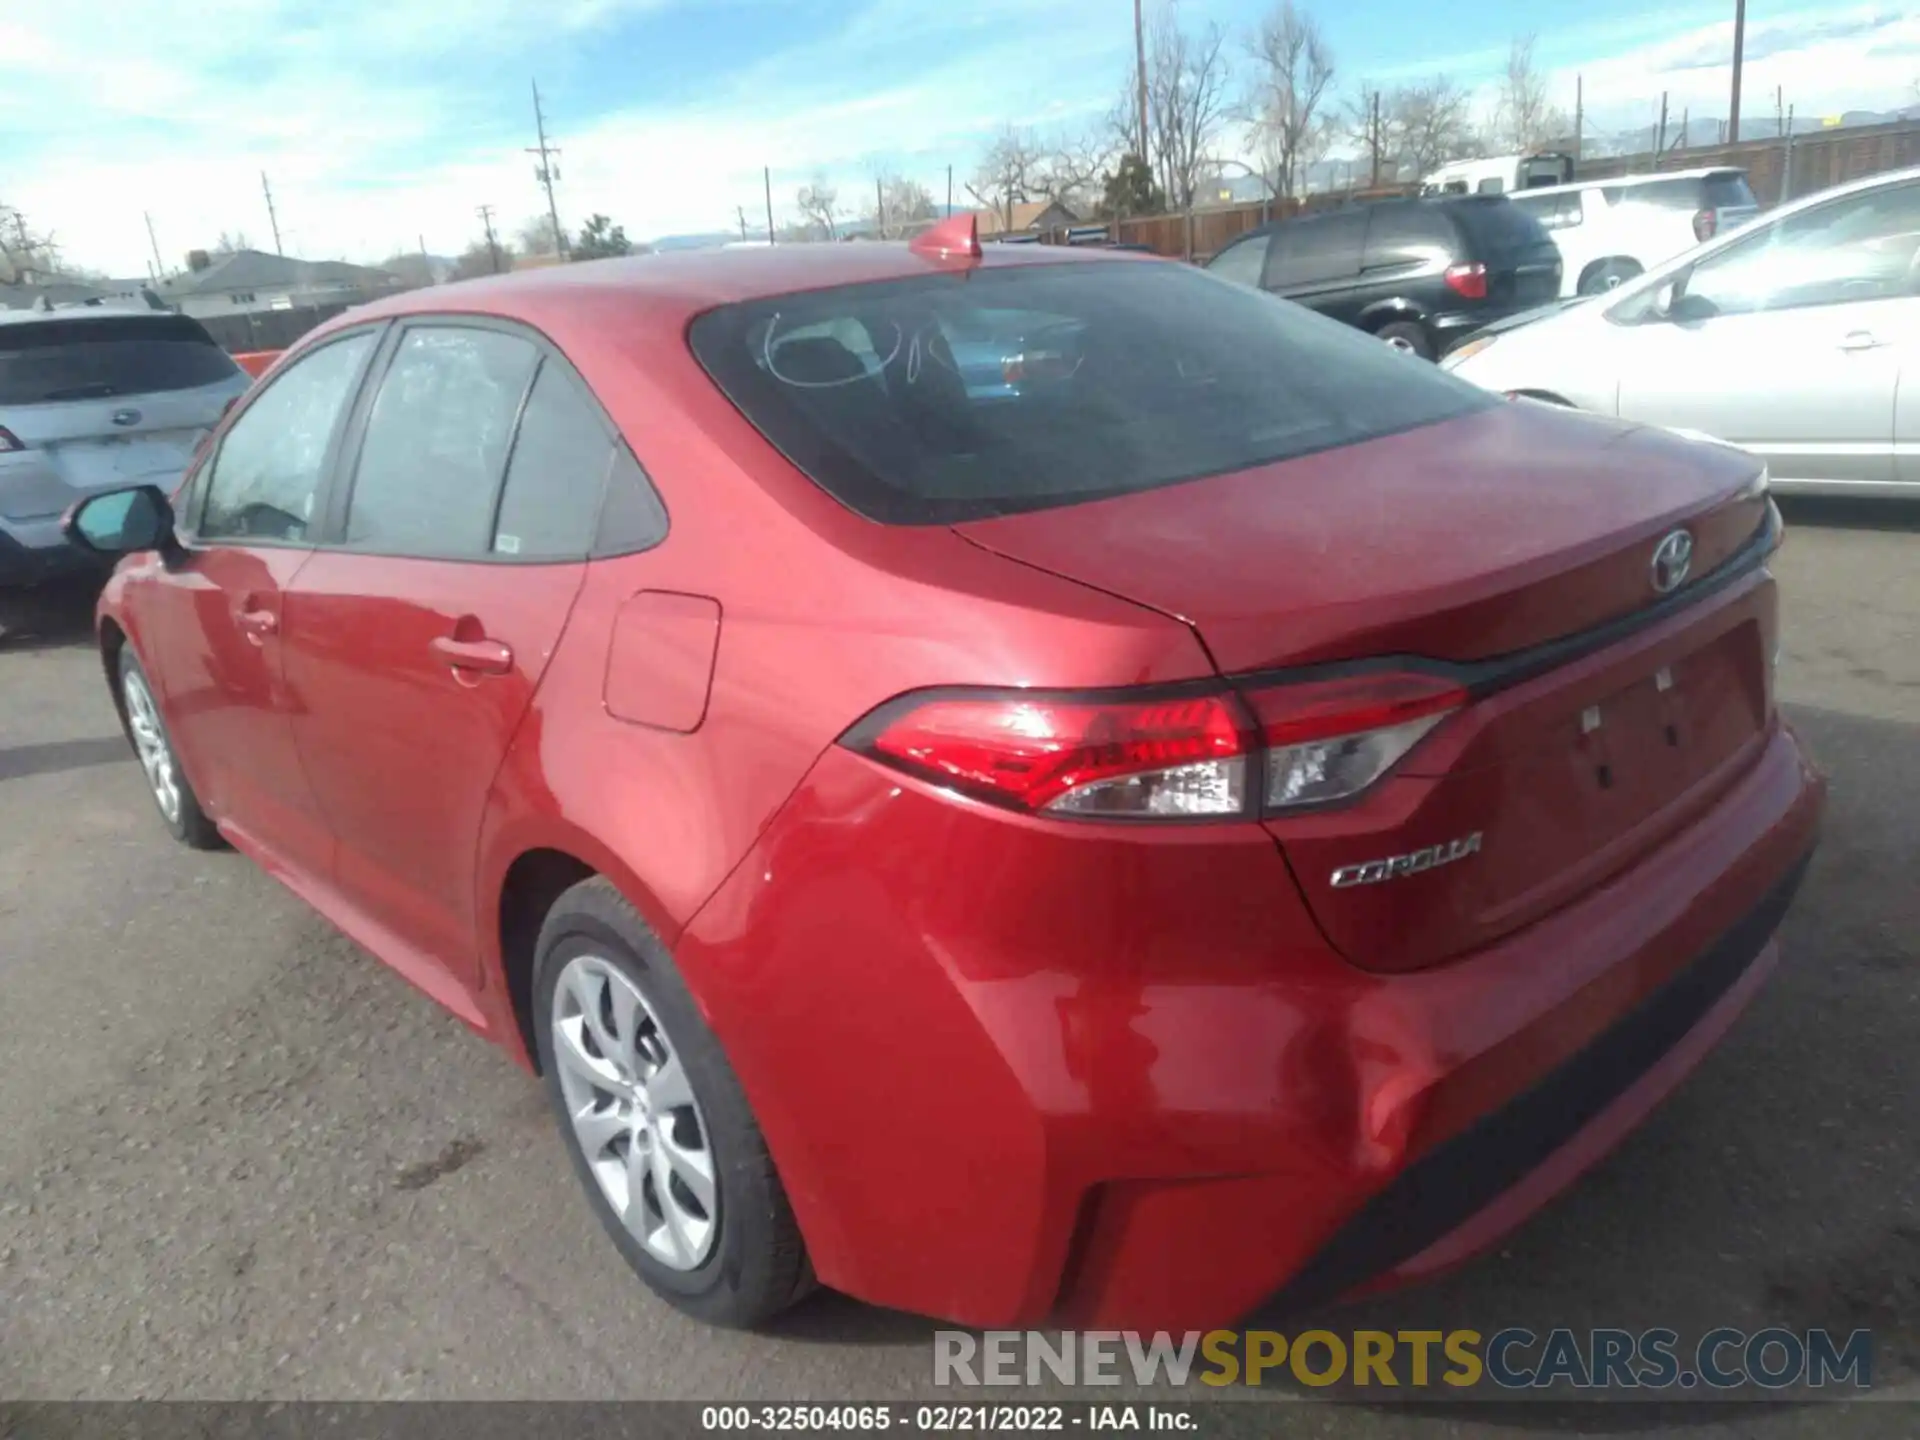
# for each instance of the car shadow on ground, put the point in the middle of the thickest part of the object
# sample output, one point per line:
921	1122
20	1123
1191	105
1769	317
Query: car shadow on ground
48	617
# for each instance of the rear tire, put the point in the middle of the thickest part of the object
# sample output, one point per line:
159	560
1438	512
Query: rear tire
1407	335
172	795
654	1119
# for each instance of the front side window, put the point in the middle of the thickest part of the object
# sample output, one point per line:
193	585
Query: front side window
272	462
1119	377
436	442
1862	247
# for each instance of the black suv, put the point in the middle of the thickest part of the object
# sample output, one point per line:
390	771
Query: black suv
1421	274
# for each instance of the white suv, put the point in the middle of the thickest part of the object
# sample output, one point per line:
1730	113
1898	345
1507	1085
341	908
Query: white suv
1611	230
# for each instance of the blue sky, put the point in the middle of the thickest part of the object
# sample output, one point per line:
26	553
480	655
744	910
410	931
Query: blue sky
385	121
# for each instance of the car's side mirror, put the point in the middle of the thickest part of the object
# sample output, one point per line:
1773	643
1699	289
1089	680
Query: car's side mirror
122	522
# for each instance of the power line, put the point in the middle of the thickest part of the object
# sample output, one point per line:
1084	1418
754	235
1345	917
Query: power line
547	172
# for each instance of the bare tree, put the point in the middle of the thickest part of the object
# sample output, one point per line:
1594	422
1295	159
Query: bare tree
481	259
1524	117
1074	168
26	253
819	206
1187	101
535	236
902	203
1428	123
229	244
1011	171
1293	69
1361	118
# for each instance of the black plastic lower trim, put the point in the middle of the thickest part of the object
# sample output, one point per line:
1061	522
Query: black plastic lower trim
1448	1186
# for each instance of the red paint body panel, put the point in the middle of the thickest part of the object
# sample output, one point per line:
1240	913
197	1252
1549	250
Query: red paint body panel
660	660
1008	1066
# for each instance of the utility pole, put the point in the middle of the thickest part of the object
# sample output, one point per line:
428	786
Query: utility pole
741	210
949	193
547	172
1579	114
1739	55
1786	163
879	208
1780	110
1686	127
272	219
1140	63
1660	140
158	264
485	212
766	179
1373	140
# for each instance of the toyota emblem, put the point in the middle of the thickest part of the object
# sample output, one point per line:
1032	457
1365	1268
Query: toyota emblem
1672	558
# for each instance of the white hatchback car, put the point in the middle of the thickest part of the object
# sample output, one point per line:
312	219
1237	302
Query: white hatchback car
1789	337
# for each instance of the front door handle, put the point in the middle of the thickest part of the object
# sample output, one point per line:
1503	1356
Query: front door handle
482	657
258	624
1860	340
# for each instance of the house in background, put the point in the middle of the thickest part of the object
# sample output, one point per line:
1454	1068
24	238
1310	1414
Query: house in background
248	282
1027	218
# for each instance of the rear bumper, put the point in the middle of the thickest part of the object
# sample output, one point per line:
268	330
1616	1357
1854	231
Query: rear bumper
1009	1073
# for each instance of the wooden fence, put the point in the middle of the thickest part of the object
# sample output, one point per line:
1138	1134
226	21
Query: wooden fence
1778	167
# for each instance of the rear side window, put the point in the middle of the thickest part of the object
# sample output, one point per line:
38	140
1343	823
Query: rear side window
436	442
557	474
1241	261
1410	234
1692	193
1131	376
49	361
1558	211
1497	227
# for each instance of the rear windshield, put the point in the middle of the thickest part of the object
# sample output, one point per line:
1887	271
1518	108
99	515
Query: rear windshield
966	395
46	361
1497	227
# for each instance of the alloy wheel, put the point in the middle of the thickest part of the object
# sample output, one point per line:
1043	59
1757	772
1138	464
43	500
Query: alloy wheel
150	744
634	1114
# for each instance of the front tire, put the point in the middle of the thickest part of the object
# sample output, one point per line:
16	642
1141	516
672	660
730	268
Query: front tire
179	807
1609	276
655	1121
1409	336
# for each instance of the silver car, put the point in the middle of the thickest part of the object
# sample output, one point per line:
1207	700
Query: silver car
1796	337
92	398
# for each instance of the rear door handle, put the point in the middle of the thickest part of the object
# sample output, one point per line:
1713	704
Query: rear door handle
1861	340
483	657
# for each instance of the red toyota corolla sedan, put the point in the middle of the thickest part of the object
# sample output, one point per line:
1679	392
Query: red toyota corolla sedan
1017	786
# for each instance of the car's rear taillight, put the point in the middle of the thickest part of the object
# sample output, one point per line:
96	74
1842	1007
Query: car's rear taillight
1172	758
1468	281
1178	757
9	442
1705	222
1330	739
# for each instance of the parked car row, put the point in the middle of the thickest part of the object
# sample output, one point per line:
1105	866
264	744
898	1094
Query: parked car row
1020	784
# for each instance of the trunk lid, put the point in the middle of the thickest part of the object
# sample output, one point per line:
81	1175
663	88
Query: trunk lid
1473	543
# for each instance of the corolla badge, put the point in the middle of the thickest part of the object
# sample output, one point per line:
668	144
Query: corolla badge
1372	872
126	417
1672	558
